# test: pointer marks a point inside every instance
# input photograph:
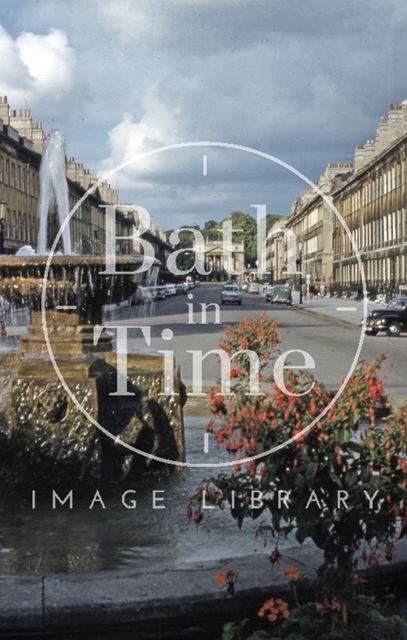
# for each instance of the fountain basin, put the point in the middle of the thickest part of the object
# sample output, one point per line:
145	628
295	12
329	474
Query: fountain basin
74	281
41	426
169	602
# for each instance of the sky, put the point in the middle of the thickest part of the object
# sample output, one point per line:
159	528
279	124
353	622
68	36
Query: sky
303	82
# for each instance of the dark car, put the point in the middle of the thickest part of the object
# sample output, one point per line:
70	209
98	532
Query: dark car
269	293
392	319
282	294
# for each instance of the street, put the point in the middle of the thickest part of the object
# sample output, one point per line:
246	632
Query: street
322	328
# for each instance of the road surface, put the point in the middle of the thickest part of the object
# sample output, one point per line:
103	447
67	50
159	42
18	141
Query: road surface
332	342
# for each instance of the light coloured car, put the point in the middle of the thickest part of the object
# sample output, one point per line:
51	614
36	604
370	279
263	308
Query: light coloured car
231	294
171	289
161	292
141	295
147	295
181	287
253	287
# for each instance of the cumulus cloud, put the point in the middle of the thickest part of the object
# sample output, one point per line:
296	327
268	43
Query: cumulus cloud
36	66
293	79
129	139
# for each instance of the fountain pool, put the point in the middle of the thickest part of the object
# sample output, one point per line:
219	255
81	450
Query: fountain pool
36	542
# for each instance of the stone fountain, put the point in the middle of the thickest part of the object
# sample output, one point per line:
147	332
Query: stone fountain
44	436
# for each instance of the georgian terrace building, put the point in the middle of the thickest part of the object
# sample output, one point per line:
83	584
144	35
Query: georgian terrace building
372	199
373	203
21	147
311	222
275	251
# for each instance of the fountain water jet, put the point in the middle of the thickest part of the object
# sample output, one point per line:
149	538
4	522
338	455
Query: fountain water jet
53	191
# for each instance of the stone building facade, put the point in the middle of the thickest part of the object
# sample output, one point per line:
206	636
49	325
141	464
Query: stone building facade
373	203
371	197
275	251
311	222
21	147
215	260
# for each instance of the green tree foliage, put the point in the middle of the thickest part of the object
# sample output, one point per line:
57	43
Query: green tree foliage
246	232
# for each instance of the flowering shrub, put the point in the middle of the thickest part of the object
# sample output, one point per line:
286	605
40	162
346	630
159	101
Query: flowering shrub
258	335
341	485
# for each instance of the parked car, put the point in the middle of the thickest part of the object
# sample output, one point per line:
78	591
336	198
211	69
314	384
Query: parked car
171	289
141	295
231	294
282	293
181	287
269	293
161	292
135	297
392	319
147	295
253	288
244	285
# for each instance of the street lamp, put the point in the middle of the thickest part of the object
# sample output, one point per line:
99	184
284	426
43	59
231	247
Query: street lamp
3	210
300	248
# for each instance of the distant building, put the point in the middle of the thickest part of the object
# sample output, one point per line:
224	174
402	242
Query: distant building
218	264
21	146
313	222
157	238
276	251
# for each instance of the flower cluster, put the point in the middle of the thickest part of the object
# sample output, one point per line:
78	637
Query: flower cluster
273	609
258	335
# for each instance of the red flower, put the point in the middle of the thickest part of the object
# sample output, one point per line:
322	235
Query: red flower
273	609
221	578
291	573
228	578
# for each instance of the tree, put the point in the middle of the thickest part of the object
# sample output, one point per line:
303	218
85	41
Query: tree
246	232
185	259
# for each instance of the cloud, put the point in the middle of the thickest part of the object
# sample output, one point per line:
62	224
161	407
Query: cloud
292	79
129	138
36	67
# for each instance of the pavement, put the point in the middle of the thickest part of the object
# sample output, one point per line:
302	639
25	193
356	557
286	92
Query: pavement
338	309
167	602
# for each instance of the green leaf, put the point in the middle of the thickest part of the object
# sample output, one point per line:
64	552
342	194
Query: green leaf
334	478
311	470
351	478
